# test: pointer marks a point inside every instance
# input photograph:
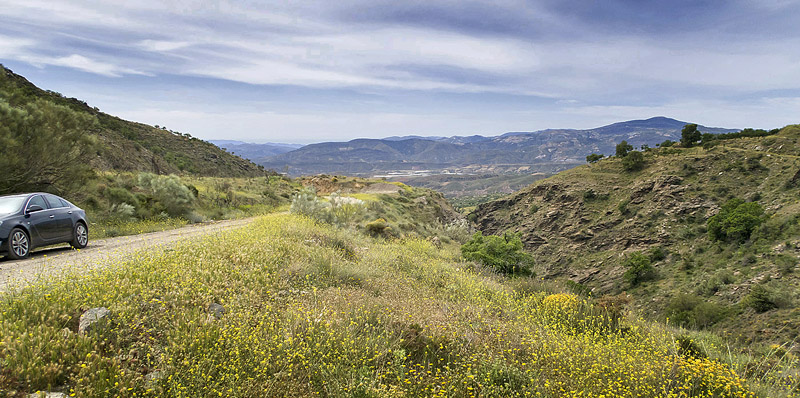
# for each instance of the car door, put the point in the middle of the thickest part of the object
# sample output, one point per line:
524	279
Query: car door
63	216
42	223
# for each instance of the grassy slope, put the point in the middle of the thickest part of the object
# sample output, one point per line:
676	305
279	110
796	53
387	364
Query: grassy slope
312	310
583	236
217	198
130	146
408	210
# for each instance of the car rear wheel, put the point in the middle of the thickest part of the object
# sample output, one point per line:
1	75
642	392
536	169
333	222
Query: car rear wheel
80	236
19	245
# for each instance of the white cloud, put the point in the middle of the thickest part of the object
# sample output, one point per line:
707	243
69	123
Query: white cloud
11	47
80	62
162	45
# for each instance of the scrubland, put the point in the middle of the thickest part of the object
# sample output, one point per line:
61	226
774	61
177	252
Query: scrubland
312	310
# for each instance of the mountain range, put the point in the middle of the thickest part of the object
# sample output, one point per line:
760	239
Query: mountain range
514	152
251	151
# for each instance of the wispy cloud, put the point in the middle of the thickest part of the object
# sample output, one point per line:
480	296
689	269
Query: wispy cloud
615	56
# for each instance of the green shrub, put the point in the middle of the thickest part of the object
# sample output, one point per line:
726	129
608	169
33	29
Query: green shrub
785	262
692	311
344	211
378	227
169	192
690	135
593	158
657	254
45	147
735	221
639	269
711	285
117	195
502	253
688	348
121	212
666	144
633	161
308	204
622	149
760	299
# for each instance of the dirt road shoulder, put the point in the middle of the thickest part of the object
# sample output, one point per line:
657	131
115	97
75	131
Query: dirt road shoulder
53	259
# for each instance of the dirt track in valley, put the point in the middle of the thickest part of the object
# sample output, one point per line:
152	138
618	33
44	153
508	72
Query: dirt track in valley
52	259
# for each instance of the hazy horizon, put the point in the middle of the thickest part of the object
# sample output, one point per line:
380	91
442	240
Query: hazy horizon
304	72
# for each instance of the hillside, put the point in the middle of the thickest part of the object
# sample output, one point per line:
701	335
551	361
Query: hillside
585	225
523	152
130	146
293	308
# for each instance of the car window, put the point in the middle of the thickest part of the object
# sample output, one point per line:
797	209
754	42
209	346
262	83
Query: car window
11	204
54	201
64	203
37	200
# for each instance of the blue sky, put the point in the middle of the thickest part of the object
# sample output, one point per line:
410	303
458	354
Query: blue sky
305	71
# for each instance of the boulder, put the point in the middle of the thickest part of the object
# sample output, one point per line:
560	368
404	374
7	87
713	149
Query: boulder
216	311
43	394
92	319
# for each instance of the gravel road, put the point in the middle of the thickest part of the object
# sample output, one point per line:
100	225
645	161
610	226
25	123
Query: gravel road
52	259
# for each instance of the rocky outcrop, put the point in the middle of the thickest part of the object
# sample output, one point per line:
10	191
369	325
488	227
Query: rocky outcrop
93	319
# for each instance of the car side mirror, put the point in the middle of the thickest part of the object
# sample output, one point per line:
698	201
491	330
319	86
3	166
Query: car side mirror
33	209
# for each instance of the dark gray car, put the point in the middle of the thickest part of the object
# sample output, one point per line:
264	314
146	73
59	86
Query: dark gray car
39	219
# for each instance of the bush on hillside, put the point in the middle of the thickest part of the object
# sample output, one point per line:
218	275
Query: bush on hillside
340	211
594	158
691	311
345	210
503	253
735	221
633	161
760	299
170	194
666	144
622	149
639	269
657	254
308	204
458	230
119	195
690	135
378	228
46	147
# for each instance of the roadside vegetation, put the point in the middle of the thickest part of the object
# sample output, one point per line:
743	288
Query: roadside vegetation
292	307
125	203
